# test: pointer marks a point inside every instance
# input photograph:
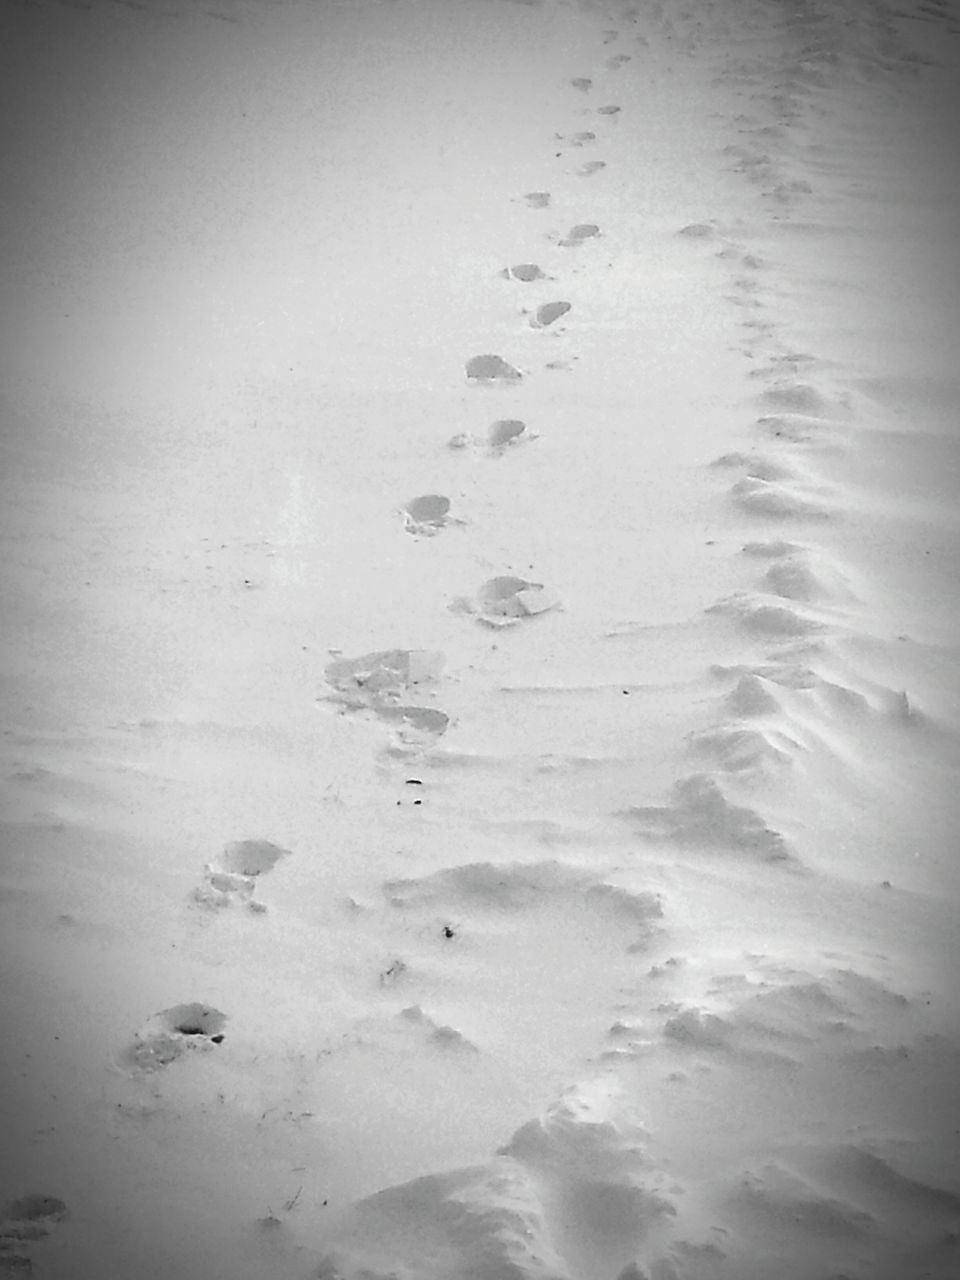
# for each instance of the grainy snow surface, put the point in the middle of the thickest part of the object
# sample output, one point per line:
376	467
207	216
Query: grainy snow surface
480	555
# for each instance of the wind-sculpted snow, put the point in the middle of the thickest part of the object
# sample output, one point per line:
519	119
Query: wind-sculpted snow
479	559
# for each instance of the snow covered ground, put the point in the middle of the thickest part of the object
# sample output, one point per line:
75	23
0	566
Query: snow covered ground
481	725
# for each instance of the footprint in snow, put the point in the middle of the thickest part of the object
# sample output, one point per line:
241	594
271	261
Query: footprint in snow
425	516
232	877
504	601
576	235
698	231
581	139
525	272
548	313
172	1034
502	435
506	432
490	369
381	682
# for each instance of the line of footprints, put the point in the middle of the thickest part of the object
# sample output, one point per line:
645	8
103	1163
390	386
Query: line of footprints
394	684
